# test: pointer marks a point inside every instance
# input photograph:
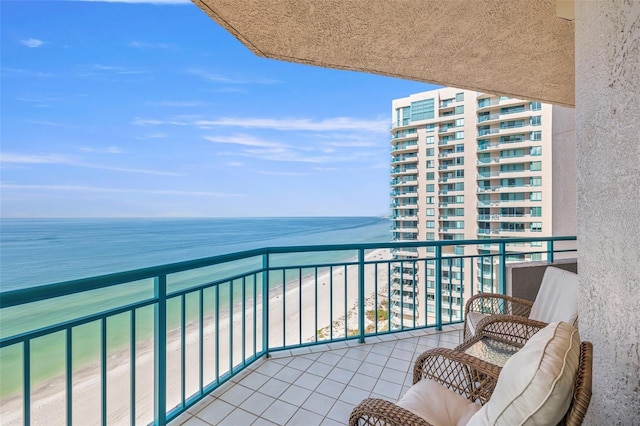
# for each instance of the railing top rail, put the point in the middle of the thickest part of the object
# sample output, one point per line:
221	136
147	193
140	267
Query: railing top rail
48	291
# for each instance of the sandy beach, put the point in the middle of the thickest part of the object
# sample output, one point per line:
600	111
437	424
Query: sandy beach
293	319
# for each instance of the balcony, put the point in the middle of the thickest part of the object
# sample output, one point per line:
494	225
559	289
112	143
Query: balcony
320	384
188	340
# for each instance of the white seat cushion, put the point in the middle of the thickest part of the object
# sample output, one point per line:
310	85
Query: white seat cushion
557	299
473	318
437	404
535	386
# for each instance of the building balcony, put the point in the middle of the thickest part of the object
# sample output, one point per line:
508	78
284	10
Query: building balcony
401	147
405	158
395	297
188	341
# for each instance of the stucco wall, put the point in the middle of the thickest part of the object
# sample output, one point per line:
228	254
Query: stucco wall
608	182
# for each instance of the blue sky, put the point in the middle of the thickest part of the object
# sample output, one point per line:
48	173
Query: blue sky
129	109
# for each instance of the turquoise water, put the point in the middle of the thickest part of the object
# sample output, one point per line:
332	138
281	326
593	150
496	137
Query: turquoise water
43	251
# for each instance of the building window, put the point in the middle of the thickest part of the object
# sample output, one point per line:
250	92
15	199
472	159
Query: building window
430	127
535	181
430	176
535	120
460	148
460	97
430	200
422	110
505	168
460	135
431	212
459	109
459	199
535	136
429	164
511	124
512	109
430	187
512	196
430	140
459	122
535	106
429	152
535	151
535	211
459	173
535	166
430	224
406	115
536	196
536	226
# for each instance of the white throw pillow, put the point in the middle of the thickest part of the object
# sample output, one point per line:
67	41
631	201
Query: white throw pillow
438	405
557	299
535	386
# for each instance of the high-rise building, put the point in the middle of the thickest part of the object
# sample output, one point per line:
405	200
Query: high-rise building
468	165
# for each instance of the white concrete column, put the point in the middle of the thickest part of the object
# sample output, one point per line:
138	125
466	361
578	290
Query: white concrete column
607	35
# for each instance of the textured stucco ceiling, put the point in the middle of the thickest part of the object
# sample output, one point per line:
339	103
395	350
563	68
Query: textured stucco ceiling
518	48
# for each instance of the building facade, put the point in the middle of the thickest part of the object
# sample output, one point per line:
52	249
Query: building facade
468	165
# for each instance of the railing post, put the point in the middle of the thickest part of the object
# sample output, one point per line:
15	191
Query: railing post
265	304
503	269
550	250
160	351
438	288
361	294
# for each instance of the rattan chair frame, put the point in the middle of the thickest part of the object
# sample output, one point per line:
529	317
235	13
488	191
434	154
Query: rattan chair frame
495	304
454	369
471	377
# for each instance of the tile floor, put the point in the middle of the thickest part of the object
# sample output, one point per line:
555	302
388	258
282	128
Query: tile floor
318	385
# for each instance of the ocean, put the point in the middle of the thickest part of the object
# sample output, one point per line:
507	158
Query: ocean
35	252
44	251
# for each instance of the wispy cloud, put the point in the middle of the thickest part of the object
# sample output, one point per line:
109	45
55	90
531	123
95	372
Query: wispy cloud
106	150
146	45
32	42
219	78
19	71
178	104
275	173
117	69
285	124
13	158
97	189
235	164
156	136
47	123
304	124
246	140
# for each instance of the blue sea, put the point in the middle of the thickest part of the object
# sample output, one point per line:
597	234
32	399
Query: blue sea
35	252
44	251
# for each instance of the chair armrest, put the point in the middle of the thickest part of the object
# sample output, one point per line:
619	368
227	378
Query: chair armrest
467	375
509	328
373	411
492	303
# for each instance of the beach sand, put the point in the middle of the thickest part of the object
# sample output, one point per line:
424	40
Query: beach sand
287	311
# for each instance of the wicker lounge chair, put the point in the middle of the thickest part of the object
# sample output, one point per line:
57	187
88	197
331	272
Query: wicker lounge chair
453	388
557	300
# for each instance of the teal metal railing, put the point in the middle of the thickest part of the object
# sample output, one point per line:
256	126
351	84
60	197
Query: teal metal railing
143	346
